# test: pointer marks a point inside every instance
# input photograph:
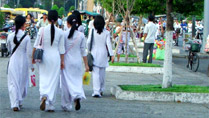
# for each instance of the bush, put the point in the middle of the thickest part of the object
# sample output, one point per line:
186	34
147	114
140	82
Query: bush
72	8
61	11
55	7
1	19
6	6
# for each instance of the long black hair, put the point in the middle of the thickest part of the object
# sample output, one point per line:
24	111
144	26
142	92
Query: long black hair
19	22
78	16
99	23
52	17
72	21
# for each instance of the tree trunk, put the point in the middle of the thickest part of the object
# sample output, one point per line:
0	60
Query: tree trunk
135	45
206	24
167	75
193	26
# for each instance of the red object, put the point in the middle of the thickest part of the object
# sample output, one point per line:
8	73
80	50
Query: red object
33	80
174	36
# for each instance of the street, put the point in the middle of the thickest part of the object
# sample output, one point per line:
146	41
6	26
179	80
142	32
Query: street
182	62
108	106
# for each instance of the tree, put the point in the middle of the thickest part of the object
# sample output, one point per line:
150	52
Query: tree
6	6
55	7
26	3
1	19
72	8
167	75
61	11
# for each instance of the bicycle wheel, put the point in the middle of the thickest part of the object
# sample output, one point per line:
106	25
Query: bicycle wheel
195	62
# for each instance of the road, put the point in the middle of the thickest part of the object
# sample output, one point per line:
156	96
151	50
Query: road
108	106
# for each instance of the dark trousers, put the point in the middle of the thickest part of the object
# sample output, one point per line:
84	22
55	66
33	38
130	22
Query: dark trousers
148	47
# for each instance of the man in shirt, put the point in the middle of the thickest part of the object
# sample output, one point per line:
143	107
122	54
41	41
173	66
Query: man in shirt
149	39
43	22
91	24
59	21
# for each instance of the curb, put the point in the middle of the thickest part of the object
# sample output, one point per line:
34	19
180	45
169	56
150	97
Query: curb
200	98
133	69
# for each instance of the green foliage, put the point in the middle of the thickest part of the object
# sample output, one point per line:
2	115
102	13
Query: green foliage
6	6
55	7
158	88
1	19
134	64
61	11
19	6
189	7
26	3
72	8
149	7
185	7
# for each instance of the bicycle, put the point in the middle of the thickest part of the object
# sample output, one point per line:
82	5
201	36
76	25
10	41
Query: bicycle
193	58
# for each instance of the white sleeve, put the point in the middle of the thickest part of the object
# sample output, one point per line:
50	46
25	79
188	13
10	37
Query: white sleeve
83	45
89	39
109	44
38	37
62	43
146	30
29	52
9	44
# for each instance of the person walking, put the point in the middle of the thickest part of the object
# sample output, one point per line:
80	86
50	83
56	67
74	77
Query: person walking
53	57
124	42
101	46
79	23
43	22
19	46
59	22
149	39
71	75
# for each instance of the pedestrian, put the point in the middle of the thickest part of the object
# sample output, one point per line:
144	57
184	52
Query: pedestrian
177	28
43	22
184	26
71	75
53	56
124	42
79	23
100	48
91	24
149	39
19	46
59	22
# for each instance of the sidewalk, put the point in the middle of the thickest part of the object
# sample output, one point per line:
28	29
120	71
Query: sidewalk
108	106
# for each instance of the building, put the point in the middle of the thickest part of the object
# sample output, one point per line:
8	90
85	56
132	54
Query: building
90	5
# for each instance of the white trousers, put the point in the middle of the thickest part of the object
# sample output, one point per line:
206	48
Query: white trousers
98	76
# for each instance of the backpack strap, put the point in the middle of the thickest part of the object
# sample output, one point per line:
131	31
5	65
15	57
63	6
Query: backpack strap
17	45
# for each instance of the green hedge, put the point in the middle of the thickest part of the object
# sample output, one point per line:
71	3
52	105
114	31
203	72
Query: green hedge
135	64
174	88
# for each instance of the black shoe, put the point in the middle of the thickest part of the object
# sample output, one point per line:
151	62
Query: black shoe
77	104
15	109
50	110
101	93
96	96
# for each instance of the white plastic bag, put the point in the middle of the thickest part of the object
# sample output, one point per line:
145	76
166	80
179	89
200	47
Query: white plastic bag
32	79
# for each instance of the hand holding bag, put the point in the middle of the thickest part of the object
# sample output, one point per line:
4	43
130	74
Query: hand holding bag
89	56
38	54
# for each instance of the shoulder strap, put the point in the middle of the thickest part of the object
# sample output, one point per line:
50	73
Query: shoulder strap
76	40
17	45
92	38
